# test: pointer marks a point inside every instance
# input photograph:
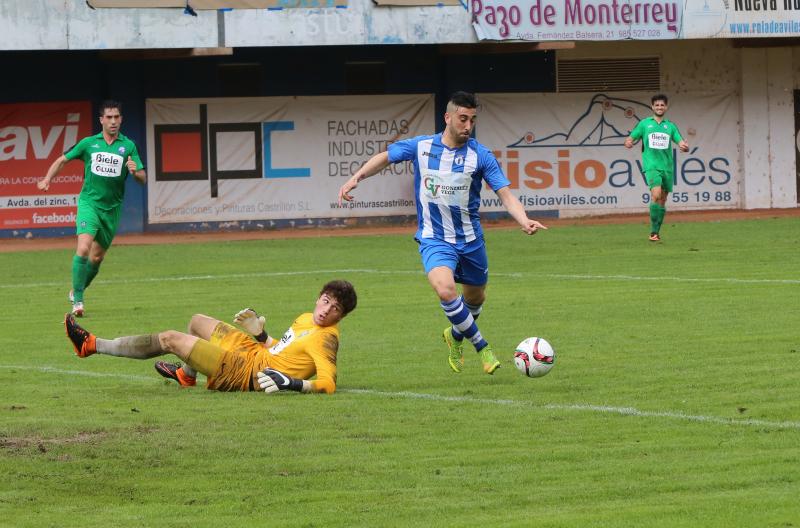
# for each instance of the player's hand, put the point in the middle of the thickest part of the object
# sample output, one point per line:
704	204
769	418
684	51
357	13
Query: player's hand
250	321
344	190
683	145
131	165
43	184
628	142
532	226
271	380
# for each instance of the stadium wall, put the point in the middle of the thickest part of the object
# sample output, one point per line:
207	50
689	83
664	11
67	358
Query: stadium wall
68	24
760	75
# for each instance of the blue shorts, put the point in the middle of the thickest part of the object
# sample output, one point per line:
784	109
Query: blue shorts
468	262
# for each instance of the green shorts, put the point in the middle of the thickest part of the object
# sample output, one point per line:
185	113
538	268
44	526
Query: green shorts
659	178
102	225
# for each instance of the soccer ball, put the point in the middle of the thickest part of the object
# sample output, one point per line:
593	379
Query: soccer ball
534	357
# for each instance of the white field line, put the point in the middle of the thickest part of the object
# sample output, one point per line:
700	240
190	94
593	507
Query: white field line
86	373
267	274
626	411
578	407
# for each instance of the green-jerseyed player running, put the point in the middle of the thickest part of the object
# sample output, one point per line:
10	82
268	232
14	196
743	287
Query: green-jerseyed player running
108	158
658	134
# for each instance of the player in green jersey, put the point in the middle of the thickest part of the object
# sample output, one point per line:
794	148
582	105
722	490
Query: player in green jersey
108	158
659	133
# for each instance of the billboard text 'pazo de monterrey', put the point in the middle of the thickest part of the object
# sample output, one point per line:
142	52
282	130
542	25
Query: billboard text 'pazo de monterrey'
543	20
598	20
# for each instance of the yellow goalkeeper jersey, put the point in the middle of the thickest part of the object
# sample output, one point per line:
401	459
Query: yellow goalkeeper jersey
306	350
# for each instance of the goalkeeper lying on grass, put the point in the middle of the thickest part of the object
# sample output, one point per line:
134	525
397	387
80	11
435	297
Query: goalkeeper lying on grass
233	360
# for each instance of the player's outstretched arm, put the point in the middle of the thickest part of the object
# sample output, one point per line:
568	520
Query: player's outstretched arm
253	324
55	168
271	381
374	165
517	212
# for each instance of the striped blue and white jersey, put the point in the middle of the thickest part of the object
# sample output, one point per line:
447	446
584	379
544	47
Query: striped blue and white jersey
447	185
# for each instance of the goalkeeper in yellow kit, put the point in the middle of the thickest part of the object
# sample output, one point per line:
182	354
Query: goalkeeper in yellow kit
233	360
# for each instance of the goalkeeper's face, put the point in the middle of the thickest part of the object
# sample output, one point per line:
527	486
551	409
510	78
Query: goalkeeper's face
328	311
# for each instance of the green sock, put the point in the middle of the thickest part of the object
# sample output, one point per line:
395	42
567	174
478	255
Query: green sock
662	212
92	272
80	269
654	217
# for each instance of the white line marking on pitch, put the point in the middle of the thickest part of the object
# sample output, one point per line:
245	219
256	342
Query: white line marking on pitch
675	279
205	277
234	276
51	370
625	411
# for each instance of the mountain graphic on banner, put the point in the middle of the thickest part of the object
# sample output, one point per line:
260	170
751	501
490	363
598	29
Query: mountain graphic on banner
606	123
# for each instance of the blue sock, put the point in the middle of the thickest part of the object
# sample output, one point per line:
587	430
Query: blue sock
475	310
463	322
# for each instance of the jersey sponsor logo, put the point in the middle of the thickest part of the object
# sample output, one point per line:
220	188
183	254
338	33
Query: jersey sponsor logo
106	164
287	338
446	188
658	141
431	187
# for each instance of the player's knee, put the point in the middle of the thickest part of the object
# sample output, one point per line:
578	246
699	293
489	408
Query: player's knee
170	340
475	298
445	292
199	325
194	322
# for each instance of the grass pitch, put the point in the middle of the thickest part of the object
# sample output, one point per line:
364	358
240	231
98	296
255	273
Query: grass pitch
674	400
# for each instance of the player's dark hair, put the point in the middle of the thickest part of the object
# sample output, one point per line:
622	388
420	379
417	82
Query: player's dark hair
659	97
464	100
109	103
343	292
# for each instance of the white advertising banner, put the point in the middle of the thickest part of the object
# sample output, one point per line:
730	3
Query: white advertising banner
565	152
597	20
742	19
250	159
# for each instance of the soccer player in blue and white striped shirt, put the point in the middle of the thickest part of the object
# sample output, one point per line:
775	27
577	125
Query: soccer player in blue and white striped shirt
449	169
